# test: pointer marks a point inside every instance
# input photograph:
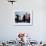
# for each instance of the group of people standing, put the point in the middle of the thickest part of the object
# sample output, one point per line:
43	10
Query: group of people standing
25	18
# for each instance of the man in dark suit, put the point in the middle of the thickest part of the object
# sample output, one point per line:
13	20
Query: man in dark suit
17	18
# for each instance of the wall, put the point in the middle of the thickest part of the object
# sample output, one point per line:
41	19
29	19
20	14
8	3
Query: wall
9	31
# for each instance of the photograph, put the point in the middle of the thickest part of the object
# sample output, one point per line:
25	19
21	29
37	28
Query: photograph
23	18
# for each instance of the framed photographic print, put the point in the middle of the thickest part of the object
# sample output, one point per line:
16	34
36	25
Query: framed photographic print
23	17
